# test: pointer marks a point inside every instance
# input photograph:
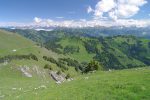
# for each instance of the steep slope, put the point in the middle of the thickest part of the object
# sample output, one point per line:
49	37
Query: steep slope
22	64
72	46
115	52
25	77
15	47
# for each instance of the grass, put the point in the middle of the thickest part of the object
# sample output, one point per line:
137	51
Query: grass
10	75
82	55
10	41
132	84
126	84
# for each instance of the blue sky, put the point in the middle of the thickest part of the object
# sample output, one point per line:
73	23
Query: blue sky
24	11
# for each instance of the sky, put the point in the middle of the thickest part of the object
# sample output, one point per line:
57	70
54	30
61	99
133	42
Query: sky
74	13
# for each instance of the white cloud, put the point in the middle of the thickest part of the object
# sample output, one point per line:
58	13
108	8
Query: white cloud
133	2
104	10
94	22
126	11
80	23
89	9
132	22
112	15
103	6
117	9
37	20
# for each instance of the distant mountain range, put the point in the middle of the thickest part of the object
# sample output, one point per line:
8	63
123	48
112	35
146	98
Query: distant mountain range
93	31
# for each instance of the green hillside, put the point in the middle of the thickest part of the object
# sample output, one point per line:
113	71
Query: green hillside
25	67
113	52
22	64
116	52
133	84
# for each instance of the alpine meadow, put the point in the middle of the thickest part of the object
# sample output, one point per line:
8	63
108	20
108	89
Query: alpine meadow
75	50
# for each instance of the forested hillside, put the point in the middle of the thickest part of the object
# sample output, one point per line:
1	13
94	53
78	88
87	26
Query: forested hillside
112	52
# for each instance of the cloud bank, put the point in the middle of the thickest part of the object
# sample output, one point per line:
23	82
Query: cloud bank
40	22
116	9
105	13
92	23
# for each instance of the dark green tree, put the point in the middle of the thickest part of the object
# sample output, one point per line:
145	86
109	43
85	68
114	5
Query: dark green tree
92	66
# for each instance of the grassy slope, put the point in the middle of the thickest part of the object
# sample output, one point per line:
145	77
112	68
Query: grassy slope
82	55
10	74
122	57
114	42
132	41
10	41
132	84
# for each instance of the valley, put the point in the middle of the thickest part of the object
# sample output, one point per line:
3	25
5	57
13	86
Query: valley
26	66
75	50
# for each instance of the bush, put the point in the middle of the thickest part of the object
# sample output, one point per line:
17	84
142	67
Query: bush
18	57
71	62
59	72
47	66
92	66
62	70
50	59
68	76
33	57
